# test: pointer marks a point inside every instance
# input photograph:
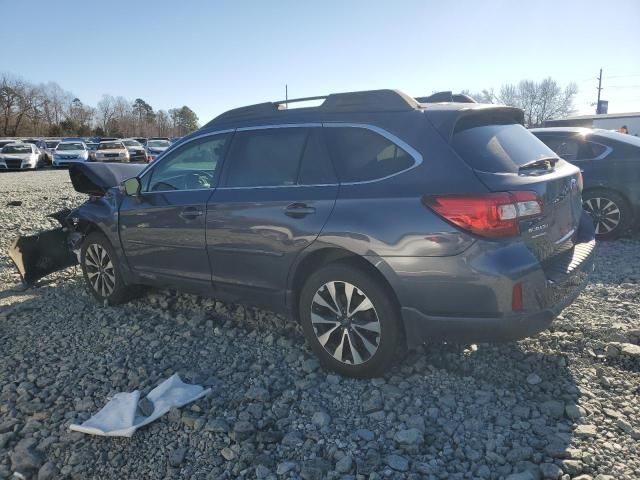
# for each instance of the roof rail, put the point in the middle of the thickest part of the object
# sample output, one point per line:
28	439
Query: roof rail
446	97
349	102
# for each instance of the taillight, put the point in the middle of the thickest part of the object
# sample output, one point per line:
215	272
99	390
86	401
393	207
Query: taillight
492	215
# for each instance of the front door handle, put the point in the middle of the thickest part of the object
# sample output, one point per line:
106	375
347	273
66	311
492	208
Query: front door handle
299	210
190	213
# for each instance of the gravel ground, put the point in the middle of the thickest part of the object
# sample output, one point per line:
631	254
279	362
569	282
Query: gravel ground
561	405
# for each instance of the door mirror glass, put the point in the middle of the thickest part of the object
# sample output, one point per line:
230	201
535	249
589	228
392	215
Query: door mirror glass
131	187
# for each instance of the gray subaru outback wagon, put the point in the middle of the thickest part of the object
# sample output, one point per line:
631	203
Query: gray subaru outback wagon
377	221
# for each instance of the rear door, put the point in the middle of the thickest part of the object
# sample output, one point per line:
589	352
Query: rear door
507	157
278	191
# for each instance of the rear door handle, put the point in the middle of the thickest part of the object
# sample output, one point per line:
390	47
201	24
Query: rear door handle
190	213
299	210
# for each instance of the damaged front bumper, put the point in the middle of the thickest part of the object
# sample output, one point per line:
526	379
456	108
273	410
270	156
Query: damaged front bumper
36	256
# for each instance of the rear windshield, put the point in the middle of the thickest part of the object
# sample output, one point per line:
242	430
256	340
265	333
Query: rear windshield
52	144
110	146
499	148
158	143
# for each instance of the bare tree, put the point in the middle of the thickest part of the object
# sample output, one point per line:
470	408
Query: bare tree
540	101
27	109
105	111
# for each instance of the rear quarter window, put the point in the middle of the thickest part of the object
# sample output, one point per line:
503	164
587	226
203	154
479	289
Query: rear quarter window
362	155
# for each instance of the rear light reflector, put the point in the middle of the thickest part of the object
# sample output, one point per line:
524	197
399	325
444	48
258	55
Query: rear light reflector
516	297
491	215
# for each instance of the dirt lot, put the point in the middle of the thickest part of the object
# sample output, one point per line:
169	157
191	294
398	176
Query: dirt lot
564	404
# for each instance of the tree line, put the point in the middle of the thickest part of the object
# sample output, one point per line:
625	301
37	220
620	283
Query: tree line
540	101
47	110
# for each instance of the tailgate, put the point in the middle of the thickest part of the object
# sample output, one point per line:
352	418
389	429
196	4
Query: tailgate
506	157
555	230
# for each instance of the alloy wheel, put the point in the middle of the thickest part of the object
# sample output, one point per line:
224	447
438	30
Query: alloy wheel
100	271
345	322
605	213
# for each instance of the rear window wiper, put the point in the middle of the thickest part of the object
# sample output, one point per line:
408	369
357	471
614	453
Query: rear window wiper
546	163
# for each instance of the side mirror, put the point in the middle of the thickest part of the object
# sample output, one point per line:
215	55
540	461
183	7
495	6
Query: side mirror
131	187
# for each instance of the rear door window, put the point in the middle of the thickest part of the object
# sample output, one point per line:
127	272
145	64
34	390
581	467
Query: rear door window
361	154
498	148
316	167
266	157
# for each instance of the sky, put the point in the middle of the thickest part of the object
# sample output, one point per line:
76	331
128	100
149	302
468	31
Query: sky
217	55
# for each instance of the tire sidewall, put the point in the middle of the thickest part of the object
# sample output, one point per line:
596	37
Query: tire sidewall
118	295
385	309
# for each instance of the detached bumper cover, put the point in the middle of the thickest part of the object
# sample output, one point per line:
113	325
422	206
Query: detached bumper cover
36	256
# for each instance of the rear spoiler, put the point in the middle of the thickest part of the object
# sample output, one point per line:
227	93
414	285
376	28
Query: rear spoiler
448	120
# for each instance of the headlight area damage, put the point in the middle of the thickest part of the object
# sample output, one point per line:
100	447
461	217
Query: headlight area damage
36	256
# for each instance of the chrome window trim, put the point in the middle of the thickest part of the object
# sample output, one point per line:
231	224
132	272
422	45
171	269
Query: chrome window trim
603	155
279	125
153	165
417	156
280	186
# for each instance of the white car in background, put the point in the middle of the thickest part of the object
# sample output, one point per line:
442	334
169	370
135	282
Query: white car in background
155	147
111	151
19	156
50	148
69	153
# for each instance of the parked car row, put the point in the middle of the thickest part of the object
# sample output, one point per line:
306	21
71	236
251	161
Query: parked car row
70	150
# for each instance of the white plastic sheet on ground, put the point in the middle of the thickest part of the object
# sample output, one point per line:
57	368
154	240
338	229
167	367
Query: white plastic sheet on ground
118	417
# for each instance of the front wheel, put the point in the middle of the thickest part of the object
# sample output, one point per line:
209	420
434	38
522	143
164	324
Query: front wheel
610	212
350	321
101	270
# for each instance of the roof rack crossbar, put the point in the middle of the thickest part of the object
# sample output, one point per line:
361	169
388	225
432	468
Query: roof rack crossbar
305	99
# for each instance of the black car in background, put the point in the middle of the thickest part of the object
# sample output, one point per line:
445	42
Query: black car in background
610	163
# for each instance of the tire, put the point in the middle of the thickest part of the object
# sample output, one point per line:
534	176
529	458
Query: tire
611	213
105	282
362	344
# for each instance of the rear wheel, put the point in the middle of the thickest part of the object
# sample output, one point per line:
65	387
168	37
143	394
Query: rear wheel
101	270
610	212
350	321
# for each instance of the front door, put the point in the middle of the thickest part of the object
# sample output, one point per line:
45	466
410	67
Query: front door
163	228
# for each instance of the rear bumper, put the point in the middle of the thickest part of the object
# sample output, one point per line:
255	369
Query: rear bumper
468	297
420	327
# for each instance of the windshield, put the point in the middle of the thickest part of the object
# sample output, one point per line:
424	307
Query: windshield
158	144
132	143
52	144
17	149
499	148
110	146
70	146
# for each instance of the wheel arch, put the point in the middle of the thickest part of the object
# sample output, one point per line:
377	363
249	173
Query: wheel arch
317	258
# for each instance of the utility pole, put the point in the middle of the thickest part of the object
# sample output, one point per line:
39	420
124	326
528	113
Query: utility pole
286	96
599	88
